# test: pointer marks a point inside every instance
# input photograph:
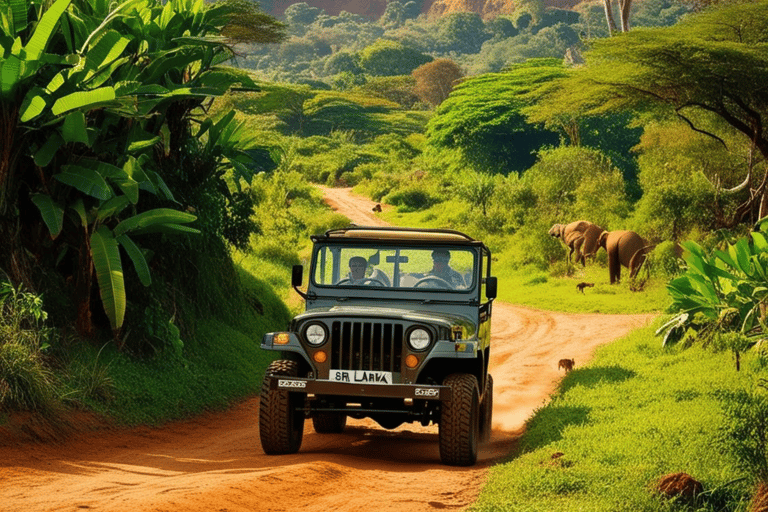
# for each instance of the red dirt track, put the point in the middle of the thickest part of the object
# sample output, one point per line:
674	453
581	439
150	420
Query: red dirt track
215	463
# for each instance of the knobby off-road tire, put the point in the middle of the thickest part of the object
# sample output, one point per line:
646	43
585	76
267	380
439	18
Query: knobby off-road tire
329	422
281	426
460	421
486	411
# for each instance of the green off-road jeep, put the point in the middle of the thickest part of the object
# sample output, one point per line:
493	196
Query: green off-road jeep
397	329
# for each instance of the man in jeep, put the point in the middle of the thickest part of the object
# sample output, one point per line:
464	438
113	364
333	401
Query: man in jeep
357	267
441	268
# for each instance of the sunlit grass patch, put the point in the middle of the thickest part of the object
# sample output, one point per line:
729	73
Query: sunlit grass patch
634	414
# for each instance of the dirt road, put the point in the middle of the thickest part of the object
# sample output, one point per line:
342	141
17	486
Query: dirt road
215	462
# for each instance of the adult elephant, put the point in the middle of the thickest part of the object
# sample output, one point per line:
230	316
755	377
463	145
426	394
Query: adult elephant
581	237
625	249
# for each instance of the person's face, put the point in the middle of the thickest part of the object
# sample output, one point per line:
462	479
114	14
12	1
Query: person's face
357	270
440	264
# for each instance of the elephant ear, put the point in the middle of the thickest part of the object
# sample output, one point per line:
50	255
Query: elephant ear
602	239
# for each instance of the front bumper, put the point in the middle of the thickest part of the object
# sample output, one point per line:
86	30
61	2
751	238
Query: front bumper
326	387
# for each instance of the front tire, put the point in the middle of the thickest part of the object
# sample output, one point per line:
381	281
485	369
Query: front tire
281	426
460	421
329	422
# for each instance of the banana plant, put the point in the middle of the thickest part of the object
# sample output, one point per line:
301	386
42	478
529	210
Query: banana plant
732	282
93	120
106	229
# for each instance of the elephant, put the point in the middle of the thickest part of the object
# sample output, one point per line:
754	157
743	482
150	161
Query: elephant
581	237
624	248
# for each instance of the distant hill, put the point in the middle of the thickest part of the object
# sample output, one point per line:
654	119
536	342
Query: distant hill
486	8
434	8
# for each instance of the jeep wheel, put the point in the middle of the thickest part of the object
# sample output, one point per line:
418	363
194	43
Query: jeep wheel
486	411
460	421
329	422
281	426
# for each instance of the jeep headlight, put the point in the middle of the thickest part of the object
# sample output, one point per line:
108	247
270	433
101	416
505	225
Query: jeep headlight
315	334
419	339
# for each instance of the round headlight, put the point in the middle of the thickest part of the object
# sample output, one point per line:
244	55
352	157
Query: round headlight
315	334
419	339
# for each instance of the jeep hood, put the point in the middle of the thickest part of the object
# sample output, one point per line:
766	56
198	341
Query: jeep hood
371	312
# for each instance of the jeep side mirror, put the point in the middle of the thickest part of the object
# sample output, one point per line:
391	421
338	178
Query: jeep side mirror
297	275
490	287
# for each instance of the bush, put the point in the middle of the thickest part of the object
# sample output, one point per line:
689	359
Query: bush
26	383
665	260
411	200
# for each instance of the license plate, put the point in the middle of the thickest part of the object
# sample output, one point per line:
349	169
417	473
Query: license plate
361	376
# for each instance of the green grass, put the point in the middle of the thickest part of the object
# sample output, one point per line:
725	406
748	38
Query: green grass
222	364
634	414
540	290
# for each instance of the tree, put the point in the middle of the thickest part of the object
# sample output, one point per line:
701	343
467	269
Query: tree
95	109
301	13
711	65
389	58
482	119
501	27
342	62
462	32
393	15
435	80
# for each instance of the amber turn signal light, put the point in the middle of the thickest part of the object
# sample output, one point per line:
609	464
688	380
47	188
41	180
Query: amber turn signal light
411	361
320	356
281	338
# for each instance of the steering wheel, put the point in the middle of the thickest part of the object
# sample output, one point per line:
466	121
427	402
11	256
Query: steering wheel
438	280
364	281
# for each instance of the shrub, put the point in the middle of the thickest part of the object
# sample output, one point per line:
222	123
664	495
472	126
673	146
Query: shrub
26	383
411	199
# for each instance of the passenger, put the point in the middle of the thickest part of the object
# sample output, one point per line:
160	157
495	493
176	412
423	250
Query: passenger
441	269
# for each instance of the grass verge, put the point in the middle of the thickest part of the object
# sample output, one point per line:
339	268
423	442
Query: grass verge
634	414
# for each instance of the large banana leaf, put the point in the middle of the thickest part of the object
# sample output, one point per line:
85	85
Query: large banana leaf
109	275
74	128
18	17
53	214
39	40
138	259
152	219
10	71
83	100
86	181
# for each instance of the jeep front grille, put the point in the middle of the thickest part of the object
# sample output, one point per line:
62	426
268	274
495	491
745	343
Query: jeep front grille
366	346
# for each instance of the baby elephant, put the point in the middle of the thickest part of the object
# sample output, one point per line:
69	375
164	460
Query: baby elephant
625	249
580	237
566	364
376	208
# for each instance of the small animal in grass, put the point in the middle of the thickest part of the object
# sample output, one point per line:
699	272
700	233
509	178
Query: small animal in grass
376	208
566	364
581	286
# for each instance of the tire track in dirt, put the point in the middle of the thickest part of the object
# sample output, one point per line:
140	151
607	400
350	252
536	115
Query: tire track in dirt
214	462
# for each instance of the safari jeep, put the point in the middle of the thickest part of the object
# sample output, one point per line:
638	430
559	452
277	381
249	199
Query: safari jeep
403	336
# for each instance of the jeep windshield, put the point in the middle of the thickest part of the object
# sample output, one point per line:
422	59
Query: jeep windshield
425	268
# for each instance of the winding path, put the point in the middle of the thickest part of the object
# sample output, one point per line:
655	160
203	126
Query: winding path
214	462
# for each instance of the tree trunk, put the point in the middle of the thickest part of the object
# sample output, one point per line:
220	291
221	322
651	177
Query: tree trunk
609	17
83	284
624	7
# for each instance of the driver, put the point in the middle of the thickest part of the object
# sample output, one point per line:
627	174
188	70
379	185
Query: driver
441	268
357	267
